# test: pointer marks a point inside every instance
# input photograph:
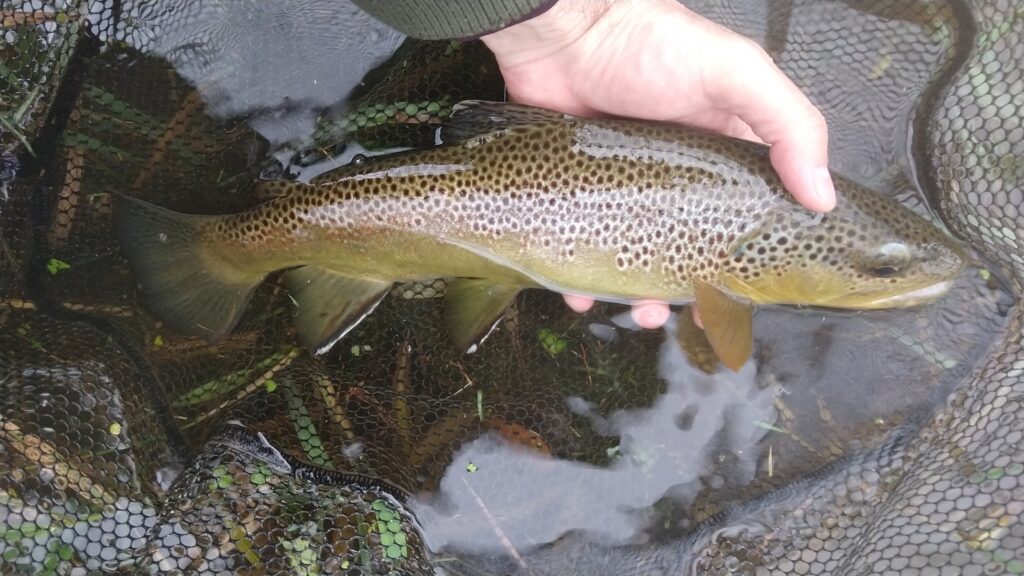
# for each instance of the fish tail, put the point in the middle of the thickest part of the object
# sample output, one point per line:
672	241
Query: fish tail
186	288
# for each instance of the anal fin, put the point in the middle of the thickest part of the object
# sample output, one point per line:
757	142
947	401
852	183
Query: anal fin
473	307
727	323
330	304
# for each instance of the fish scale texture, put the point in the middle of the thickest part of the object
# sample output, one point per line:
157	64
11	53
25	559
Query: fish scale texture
126	448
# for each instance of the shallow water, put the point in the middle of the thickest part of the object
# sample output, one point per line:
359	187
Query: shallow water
560	425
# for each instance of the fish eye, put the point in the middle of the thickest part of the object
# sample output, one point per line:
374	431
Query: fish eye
884	271
889	260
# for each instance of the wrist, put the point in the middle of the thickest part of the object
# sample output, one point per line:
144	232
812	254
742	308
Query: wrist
547	33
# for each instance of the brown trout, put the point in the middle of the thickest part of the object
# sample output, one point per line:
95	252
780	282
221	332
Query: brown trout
519	197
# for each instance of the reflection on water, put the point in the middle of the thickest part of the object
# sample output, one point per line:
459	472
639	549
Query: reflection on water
492	492
280	58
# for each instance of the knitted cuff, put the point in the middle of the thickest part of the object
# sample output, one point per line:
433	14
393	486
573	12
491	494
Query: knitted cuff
452	19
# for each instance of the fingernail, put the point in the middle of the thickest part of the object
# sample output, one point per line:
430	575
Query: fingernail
824	189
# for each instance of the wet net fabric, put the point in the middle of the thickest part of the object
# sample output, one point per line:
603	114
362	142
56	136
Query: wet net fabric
948	498
568	444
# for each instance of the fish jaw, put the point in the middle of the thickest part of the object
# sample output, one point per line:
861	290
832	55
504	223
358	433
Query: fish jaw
923	295
828	292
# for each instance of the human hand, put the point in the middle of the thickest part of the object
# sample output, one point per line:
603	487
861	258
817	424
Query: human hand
657	60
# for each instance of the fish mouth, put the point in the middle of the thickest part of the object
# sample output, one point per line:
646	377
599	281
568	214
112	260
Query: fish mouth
914	297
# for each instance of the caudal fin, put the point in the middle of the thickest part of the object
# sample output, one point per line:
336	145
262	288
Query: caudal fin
182	287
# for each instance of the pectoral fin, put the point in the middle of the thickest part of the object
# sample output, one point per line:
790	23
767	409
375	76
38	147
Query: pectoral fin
473	307
694	343
727	323
330	304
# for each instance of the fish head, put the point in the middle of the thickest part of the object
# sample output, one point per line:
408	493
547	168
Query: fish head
870	252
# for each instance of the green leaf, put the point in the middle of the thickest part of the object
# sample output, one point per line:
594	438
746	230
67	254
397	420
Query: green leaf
553	343
54	266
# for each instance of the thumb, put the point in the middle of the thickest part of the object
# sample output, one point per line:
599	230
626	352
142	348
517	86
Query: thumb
781	115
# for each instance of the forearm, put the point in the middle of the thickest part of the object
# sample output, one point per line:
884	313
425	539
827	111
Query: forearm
550	32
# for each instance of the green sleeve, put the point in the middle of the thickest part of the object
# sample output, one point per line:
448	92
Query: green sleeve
443	19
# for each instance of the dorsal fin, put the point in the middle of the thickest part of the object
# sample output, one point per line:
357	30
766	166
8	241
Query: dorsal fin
474	119
270	189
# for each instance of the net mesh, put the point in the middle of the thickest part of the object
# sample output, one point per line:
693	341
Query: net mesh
568	444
